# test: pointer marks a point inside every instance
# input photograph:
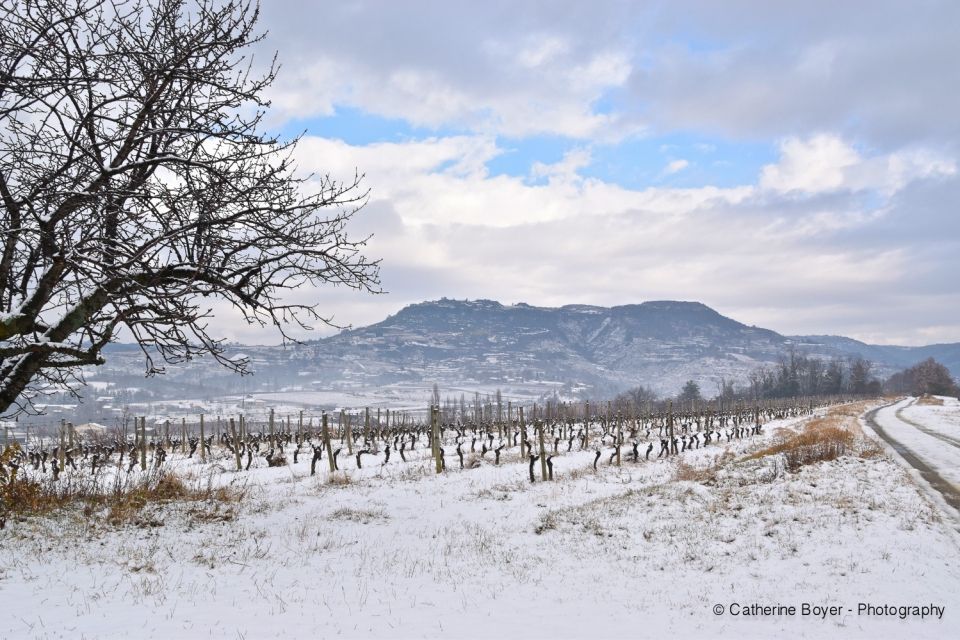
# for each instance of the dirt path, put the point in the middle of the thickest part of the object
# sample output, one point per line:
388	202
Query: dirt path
953	442
950	494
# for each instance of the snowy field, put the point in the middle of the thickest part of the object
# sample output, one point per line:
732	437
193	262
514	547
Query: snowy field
394	551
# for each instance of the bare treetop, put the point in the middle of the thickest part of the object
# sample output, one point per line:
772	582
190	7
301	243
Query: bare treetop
136	187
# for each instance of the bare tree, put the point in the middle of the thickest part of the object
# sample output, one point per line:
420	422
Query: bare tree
924	377
634	400
860	376
136	187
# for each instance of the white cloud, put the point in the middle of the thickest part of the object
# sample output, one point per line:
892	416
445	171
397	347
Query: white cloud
443	181
540	50
564	170
675	166
813	165
445	227
825	163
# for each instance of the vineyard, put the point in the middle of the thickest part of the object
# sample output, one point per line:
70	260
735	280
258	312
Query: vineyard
556	521
555	432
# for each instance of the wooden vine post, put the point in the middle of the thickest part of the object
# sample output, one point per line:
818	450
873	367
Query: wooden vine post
62	451
349	432
586	425
670	424
523	435
543	452
435	430
619	436
143	443
236	443
271	428
203	449
326	442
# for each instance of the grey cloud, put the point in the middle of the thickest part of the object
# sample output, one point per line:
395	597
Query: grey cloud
882	72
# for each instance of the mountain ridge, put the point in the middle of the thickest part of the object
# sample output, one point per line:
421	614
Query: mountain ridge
573	349
624	344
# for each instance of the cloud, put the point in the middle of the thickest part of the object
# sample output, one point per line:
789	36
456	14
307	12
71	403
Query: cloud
474	69
566	170
795	252
883	77
675	166
824	163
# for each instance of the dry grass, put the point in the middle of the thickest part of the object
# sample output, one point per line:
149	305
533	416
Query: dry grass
164	488
277	461
119	500
472	461
363	516
930	400
547	522
707	473
821	439
339	479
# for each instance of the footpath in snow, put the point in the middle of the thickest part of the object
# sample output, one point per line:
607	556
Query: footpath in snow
925	434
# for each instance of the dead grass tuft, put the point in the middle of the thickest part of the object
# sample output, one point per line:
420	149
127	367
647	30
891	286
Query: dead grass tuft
868	448
821	439
706	474
277	461
930	400
118	501
363	516
339	479
548	522
686	472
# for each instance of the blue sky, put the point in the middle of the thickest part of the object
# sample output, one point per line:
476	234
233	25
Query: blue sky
792	165
635	162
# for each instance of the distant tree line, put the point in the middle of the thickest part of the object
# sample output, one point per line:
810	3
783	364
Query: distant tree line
797	375
927	377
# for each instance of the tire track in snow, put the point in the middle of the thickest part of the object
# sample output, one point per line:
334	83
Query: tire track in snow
950	494
953	442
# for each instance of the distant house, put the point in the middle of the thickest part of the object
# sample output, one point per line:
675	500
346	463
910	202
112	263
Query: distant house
90	430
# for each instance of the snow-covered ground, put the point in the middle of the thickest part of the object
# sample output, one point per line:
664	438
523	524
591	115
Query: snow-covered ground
395	551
